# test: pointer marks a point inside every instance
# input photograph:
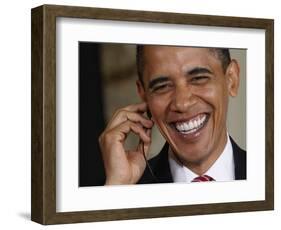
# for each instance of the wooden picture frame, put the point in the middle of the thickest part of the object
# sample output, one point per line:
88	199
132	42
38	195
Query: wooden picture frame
43	207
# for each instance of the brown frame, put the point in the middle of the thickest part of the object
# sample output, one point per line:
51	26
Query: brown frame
43	160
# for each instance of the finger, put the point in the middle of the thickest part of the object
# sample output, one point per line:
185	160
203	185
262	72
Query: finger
139	107
143	147
124	115
123	130
146	145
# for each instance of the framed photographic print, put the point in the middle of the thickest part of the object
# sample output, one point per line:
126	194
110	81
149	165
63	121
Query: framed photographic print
129	108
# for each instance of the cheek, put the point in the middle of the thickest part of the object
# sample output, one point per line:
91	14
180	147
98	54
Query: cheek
207	95
214	94
157	106
217	98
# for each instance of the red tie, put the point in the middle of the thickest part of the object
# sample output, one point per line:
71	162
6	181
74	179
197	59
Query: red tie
203	178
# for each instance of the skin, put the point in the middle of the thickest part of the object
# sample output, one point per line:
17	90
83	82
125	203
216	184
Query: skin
125	166
179	84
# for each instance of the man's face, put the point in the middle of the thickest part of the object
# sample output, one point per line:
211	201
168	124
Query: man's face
187	93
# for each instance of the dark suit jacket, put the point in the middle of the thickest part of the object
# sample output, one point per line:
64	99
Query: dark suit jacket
161	168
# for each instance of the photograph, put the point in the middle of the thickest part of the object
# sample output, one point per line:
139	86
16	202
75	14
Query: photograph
161	114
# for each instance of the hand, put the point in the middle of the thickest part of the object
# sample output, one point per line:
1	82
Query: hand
121	166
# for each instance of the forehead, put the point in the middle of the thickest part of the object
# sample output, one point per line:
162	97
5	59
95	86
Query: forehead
152	52
175	58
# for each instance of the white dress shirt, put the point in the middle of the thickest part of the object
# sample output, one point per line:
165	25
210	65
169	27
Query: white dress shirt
221	170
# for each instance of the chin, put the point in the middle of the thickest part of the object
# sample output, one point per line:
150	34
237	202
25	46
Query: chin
194	154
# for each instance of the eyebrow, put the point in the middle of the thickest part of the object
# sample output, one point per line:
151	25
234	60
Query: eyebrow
156	81
198	70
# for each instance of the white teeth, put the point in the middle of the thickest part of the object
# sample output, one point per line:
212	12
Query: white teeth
191	125
181	126
185	126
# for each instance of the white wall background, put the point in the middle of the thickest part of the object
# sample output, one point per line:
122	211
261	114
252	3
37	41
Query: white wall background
15	143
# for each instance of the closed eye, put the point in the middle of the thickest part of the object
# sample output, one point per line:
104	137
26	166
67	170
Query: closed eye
161	88
200	79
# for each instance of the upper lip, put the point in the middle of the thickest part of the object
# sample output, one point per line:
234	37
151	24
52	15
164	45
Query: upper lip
185	118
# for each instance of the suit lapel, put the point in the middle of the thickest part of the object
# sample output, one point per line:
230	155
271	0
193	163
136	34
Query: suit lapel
160	167
239	161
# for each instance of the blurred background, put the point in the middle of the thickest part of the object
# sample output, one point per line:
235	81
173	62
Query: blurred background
107	81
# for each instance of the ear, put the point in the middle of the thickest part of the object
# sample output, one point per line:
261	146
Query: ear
141	90
233	77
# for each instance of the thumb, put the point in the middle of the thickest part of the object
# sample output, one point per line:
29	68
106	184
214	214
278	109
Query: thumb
146	145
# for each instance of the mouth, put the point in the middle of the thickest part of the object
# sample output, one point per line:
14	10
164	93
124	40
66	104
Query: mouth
191	126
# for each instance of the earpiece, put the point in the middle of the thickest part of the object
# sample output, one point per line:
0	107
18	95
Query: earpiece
148	114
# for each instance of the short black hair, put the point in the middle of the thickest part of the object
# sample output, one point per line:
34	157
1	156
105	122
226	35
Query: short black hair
221	53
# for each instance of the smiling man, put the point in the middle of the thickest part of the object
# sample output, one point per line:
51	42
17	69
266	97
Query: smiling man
185	90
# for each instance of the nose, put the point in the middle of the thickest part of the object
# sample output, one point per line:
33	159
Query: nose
183	99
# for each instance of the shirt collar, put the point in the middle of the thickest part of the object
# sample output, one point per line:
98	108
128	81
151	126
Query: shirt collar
221	170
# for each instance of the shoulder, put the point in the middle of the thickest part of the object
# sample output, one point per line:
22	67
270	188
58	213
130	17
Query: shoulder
240	161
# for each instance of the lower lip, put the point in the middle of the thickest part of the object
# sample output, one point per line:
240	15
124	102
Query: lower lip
194	135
